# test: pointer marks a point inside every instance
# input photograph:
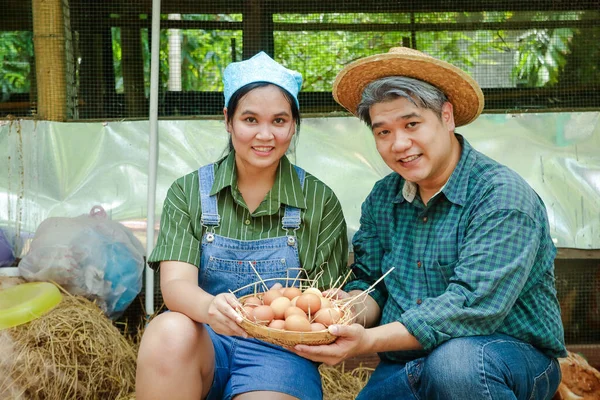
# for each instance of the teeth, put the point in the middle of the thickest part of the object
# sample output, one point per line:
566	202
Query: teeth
263	148
407	159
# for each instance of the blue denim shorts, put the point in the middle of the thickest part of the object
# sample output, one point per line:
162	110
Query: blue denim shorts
246	365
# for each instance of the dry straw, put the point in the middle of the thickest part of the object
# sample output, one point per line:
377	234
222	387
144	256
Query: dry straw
339	384
290	338
73	352
280	336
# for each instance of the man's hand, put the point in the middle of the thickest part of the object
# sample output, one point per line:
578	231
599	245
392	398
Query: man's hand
352	340
336	293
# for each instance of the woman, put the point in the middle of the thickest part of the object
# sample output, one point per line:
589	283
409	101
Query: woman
251	206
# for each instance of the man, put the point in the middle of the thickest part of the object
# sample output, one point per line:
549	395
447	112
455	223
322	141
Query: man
467	307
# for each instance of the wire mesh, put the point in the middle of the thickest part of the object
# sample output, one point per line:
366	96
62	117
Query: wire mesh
85	60
79	59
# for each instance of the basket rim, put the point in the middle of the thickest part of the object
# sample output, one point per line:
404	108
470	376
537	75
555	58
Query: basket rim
277	336
283	337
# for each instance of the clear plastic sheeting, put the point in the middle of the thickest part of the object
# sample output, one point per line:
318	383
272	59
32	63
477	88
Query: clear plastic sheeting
50	169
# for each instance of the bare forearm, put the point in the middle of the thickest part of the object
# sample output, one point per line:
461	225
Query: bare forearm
187	298
391	337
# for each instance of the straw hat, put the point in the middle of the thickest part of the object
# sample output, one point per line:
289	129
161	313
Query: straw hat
462	91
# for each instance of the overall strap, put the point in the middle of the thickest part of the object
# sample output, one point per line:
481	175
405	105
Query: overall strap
210	214
291	216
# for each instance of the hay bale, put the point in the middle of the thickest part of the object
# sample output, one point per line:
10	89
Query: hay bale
73	352
339	384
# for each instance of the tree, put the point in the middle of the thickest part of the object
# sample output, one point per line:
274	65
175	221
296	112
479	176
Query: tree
16	53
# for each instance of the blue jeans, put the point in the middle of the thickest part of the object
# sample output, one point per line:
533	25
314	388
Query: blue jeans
479	367
248	365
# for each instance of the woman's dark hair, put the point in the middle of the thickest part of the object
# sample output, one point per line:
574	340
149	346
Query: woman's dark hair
241	92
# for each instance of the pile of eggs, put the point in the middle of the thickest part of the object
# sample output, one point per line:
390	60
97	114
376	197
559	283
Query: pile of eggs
291	309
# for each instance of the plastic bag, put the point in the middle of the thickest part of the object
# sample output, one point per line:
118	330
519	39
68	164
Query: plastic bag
89	255
7	256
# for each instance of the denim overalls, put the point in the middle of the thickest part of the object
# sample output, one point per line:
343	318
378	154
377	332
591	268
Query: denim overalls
243	365
225	263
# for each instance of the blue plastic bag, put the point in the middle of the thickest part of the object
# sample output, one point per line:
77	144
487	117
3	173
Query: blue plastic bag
89	255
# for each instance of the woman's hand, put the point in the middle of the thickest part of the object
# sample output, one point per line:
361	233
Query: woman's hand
222	316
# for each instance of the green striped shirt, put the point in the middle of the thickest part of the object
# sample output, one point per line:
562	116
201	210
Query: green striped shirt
322	240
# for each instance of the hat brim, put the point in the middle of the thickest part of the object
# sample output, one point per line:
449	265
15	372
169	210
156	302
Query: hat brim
462	91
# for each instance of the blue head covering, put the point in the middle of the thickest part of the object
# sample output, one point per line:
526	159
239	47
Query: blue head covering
260	68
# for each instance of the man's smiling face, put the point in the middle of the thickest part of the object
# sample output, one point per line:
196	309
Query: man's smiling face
415	142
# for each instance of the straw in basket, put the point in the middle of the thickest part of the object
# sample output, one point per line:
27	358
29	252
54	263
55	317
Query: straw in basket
288	338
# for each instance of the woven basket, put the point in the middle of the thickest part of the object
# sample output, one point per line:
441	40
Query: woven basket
282	337
279	336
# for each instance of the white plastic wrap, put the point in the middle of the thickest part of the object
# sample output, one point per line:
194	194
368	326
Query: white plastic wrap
88	255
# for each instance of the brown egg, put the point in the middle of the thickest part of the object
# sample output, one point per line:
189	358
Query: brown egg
292	292
315	326
280	305
295	311
325	302
263	315
313	290
253	301
297	323
327	316
310	303
277	324
294	300
270	295
248	312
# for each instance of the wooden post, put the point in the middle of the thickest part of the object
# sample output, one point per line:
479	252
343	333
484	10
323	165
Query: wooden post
49	49
132	62
258	29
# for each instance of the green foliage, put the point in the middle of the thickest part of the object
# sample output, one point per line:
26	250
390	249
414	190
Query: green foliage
16	53
582	68
540	56
116	50
204	54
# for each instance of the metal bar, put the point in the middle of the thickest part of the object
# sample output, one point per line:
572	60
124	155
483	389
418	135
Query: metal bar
152	152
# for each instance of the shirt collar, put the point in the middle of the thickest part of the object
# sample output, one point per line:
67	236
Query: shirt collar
286	189
455	189
225	174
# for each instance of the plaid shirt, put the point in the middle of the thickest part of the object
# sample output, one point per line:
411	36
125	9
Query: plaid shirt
477	260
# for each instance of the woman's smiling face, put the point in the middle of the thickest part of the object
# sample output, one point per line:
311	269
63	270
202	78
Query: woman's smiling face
261	128
415	142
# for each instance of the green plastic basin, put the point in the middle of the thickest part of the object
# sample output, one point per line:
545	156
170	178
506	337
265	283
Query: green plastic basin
24	303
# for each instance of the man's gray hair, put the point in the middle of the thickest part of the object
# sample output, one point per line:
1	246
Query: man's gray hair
421	94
